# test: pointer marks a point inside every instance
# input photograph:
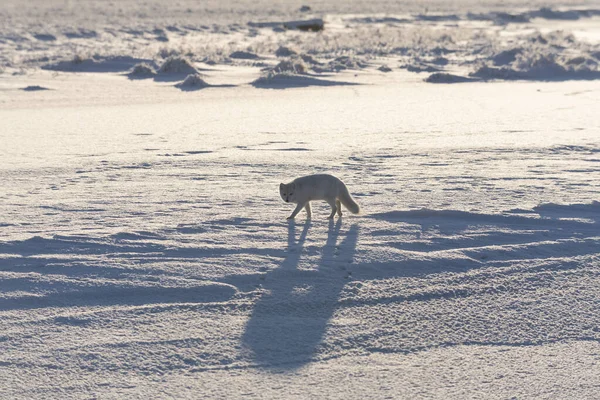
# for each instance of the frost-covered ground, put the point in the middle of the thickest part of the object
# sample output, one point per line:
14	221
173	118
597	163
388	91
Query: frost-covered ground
144	250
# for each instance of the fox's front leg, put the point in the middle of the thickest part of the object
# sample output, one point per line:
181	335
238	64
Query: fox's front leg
307	208
296	211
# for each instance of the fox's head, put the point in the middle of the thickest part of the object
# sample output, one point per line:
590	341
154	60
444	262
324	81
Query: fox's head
288	192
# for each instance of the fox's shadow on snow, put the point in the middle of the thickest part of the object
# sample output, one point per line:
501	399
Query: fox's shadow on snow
289	321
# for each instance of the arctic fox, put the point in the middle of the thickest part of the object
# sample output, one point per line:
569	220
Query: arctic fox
318	187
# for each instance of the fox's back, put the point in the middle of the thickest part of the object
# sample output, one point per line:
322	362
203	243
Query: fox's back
318	187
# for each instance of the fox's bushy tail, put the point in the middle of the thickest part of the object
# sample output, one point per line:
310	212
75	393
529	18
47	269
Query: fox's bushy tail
347	200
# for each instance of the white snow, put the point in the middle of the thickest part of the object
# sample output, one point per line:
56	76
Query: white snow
144	250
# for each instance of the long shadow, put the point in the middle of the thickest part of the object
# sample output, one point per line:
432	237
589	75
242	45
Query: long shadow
288	323
117	295
295	81
195	88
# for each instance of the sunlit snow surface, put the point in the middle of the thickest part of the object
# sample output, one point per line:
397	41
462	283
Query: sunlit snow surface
144	250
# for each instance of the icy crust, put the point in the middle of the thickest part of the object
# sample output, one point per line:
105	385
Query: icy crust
442	77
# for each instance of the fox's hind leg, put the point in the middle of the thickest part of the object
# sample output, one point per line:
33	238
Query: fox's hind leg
333	208
339	207
307	208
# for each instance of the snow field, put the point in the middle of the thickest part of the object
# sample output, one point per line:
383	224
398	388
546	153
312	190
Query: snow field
144	250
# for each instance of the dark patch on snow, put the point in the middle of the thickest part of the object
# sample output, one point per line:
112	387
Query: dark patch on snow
382	20
286	80
243	55
312	25
442	77
437	18
198	152
45	37
34	88
81	34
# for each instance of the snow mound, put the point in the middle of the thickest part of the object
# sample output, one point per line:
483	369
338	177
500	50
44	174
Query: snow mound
307	58
420	67
488	73
442	77
291	66
542	66
280	80
192	82
141	71
177	65
552	56
272	77
346	62
341	63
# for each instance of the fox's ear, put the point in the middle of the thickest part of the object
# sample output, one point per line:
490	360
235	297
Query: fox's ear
281	185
